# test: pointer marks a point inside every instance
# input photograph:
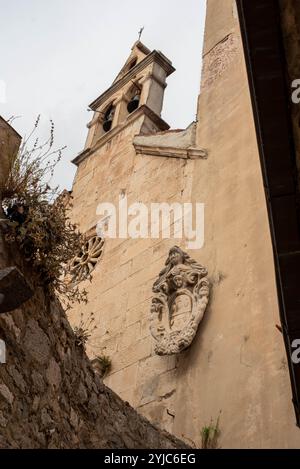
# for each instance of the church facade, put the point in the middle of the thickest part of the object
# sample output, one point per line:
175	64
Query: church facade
188	323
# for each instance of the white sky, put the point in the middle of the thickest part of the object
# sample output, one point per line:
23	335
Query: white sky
57	56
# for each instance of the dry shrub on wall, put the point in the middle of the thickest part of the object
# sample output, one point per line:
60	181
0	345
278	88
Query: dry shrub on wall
84	330
38	222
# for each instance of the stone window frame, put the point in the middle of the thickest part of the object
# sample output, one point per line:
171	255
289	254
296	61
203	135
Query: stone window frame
86	272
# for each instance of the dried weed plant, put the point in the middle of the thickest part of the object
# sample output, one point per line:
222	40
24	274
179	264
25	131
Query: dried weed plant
37	216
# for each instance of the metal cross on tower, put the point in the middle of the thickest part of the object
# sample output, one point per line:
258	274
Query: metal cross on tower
140	32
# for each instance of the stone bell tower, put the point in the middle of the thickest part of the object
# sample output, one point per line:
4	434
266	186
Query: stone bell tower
136	94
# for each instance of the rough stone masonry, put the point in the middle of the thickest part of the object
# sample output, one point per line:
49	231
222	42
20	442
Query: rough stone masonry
50	396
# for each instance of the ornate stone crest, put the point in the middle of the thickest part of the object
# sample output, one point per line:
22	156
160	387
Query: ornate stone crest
181	296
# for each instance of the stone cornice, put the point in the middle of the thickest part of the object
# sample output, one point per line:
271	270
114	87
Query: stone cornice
142	110
170	152
154	56
142	47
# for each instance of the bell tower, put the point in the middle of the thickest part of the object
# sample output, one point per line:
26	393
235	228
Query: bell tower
137	92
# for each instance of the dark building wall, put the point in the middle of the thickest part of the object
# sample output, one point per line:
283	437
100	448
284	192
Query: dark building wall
290	16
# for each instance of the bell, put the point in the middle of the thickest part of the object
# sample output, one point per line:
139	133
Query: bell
133	104
107	125
108	119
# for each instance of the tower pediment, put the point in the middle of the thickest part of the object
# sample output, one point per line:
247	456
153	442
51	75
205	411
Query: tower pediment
137	89
138	53
132	73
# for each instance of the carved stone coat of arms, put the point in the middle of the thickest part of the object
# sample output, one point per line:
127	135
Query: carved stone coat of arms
181	296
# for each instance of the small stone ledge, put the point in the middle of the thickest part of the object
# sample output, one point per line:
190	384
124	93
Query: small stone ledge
171	152
139	112
171	144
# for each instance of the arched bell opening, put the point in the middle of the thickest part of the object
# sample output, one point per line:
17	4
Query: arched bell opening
134	99
108	118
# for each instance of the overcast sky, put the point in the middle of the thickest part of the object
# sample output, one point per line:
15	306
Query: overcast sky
57	56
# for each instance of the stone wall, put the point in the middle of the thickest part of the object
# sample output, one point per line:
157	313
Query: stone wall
9	144
50	396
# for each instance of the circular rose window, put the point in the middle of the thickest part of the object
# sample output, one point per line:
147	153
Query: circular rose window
85	262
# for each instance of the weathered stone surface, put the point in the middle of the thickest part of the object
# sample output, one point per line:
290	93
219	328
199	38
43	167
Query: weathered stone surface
3	420
53	374
181	296
36	342
6	394
9	144
17	378
171	144
14	290
218	59
51	400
